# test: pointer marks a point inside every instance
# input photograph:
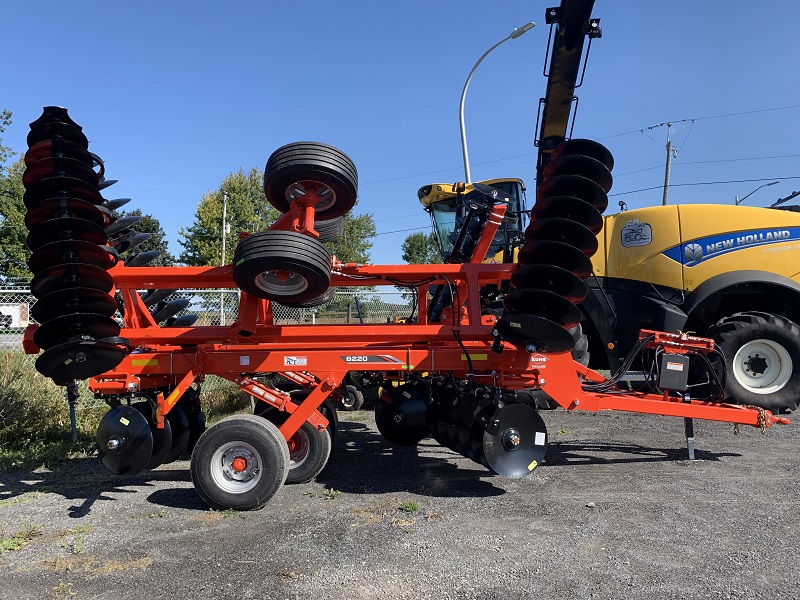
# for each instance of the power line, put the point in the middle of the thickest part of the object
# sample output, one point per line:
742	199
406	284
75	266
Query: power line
658	187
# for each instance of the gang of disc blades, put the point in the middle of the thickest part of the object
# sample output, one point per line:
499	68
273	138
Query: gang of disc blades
189	403
71	275
61	329
515	441
547	252
584	147
47	131
580	166
180	433
562	230
128	433
401	415
73	300
170	309
55	208
533	330
162	437
574	185
476	434
60	166
551	278
79	359
51	187
569	207
531	301
72	251
58	146
65	229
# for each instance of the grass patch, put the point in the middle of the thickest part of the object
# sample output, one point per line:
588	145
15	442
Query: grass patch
64	590
410	506
20	538
25	498
78	545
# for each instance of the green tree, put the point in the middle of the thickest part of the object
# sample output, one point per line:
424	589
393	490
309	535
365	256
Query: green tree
14	251
157	241
5	151
421	249
247	210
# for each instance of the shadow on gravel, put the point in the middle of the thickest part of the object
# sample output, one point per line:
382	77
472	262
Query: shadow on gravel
86	480
363	462
593	453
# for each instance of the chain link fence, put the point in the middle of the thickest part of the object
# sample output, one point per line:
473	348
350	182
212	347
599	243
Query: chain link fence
215	307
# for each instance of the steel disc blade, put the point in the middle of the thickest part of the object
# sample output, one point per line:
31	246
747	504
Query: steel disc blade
65	229
47	131
104	183
574	185
583	147
401	415
124	441
552	279
62	329
58	146
71	251
565	231
73	300
79	360
162	438
180	433
569	207
121	224
60	186
476	434
533	330
156	296
182	321
581	166
558	254
143	258
546	304
515	441
129	241
59	166
71	275
189	403
116	203
55	208
170	309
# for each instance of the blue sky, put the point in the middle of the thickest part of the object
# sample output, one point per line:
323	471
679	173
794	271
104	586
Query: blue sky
176	95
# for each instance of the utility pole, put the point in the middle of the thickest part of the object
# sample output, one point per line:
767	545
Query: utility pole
669	165
222	261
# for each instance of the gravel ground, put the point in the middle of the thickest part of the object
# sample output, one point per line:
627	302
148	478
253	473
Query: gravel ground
616	511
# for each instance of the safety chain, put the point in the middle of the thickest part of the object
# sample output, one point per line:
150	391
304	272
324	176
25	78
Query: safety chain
762	419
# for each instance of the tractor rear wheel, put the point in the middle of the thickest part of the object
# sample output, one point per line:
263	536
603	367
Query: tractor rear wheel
762	359
284	266
240	463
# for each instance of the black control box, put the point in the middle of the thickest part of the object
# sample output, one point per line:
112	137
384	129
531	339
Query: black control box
673	372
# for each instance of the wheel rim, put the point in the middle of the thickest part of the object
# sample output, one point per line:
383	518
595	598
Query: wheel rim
300	188
299	448
236	467
762	366
282	283
348	400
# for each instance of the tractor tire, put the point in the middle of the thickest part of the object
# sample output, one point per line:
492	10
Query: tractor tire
240	463
284	266
330	231
762	359
297	167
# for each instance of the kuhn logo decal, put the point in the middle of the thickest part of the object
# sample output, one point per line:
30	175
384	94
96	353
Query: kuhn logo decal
635	233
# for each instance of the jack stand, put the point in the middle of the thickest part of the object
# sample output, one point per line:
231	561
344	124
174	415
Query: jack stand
72	400
688	425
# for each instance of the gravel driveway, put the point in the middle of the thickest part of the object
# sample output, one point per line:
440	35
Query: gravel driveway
615	512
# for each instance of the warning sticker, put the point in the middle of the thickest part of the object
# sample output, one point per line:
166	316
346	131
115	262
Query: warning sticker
674	366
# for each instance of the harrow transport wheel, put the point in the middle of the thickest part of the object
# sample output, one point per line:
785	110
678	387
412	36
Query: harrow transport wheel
352	398
330	231
240	463
295	169
282	265
309	451
762	359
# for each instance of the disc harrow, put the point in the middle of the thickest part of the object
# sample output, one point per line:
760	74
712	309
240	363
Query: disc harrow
471	376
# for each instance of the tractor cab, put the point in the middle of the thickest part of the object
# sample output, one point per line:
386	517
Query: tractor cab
458	214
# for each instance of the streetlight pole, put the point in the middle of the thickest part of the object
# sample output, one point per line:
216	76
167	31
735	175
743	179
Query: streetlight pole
738	201
512	36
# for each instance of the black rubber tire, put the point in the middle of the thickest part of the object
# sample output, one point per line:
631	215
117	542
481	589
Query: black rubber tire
306	260
298	394
271	452
330	231
323	298
352	398
311	162
740	329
